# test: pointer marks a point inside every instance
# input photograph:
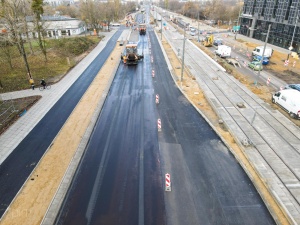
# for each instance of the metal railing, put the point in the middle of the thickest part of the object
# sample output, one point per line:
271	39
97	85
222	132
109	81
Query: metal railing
7	109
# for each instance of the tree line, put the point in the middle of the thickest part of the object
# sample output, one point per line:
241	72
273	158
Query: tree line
19	19
217	10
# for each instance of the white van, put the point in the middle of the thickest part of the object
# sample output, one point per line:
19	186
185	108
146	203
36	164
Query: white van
259	51
289	100
223	51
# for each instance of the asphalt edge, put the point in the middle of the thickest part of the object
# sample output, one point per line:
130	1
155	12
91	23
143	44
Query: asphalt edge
56	203
74	77
47	150
32	172
274	215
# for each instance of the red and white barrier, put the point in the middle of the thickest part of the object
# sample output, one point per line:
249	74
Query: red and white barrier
157	99
159	125
168	182
153	73
268	81
286	62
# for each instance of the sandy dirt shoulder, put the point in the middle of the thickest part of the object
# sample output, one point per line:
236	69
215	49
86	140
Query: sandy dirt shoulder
196	97
30	205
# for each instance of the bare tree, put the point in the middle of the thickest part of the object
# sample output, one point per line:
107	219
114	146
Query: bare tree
6	50
190	9
13	16
37	8
48	10
69	10
90	12
26	8
116	9
212	9
175	6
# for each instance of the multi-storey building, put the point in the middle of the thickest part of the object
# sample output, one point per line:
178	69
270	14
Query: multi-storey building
283	15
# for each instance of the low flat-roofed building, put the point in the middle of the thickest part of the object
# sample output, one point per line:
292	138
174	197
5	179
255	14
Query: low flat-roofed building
58	26
55	3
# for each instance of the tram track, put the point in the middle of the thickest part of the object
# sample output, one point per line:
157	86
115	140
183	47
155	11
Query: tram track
262	115
271	129
254	105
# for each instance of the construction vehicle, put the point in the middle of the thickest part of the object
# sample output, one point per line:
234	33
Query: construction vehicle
208	41
130	55
142	29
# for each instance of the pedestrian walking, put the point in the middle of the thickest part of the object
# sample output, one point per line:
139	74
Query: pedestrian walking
31	81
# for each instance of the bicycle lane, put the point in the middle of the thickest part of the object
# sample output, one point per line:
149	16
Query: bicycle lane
21	152
12	137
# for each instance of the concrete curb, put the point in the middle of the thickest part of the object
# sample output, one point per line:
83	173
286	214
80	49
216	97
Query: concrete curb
30	175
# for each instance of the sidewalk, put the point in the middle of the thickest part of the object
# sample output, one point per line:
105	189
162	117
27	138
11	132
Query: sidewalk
10	139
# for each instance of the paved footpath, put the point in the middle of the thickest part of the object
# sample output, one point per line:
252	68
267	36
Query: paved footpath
10	139
269	140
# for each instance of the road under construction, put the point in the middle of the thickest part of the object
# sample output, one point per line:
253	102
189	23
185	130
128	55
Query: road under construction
121	176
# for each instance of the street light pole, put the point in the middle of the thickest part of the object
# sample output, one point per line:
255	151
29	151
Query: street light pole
156	16
182	59
291	47
238	24
198	27
161	28
262	57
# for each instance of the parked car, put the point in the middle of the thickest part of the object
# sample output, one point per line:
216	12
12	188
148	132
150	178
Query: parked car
218	42
192	31
255	65
293	86
258	58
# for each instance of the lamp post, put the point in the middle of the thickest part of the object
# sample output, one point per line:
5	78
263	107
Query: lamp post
291	47
161	28
238	24
182	59
198	28
262	57
156	16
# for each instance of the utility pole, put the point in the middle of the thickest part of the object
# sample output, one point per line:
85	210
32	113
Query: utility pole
182	59
262	57
156	16
291	47
161	28
198	27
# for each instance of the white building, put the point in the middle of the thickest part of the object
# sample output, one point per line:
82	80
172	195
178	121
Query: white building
58	26
55	3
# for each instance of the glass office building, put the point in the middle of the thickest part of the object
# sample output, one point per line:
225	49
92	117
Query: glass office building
282	14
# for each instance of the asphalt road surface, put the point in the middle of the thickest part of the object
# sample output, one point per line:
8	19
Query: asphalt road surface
208	184
121	177
118	180
20	163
